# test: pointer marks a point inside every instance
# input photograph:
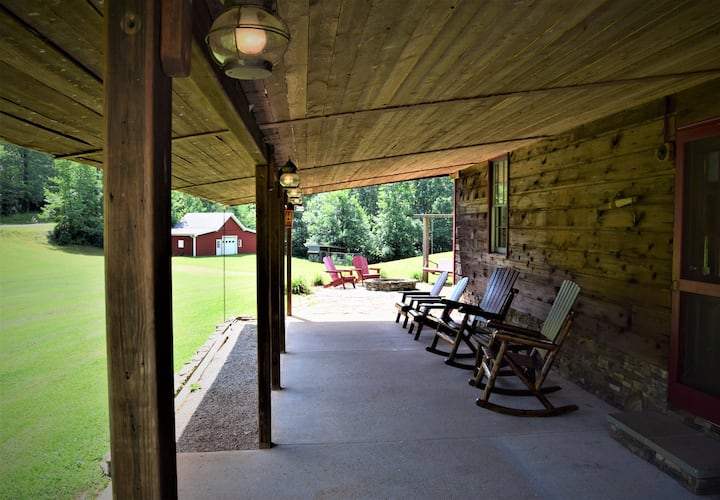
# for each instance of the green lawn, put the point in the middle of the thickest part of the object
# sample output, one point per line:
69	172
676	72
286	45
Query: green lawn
53	374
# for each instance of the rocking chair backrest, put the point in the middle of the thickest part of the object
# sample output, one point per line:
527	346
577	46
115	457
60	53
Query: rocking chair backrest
439	284
499	289
560	311
458	289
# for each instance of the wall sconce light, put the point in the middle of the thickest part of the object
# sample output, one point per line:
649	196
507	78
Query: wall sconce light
247	40
289	177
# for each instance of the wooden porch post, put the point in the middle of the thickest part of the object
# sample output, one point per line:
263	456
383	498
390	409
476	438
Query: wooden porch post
263	214
276	278
426	246
137	253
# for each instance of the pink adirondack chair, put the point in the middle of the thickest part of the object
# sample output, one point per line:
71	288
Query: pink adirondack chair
363	271
338	276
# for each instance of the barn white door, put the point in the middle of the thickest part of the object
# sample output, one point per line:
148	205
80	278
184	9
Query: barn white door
226	246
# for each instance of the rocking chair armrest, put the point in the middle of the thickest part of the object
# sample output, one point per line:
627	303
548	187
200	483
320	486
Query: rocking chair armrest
341	271
413	293
435	302
479	311
517	338
430	305
507	327
453	304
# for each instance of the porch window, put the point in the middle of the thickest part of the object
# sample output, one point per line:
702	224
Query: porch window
498	189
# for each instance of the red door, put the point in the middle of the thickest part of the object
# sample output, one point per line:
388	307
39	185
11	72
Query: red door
694	383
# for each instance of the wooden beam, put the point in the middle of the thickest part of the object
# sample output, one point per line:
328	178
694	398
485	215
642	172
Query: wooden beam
224	94
137	253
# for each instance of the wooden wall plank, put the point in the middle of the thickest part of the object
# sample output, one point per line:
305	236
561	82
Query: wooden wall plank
564	225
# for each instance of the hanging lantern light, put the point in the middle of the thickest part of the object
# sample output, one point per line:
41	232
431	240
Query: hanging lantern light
289	177
247	40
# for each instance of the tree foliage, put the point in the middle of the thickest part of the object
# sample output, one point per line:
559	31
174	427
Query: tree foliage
74	202
377	220
23	177
396	234
337	218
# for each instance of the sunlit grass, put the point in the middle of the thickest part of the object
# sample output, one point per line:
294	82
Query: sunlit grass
54	427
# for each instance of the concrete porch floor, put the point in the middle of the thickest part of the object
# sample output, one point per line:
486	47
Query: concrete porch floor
366	412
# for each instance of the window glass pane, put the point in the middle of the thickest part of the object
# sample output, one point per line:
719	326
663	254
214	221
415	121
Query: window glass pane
700	349
701	223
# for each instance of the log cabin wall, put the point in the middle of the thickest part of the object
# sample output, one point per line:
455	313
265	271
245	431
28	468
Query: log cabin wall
594	205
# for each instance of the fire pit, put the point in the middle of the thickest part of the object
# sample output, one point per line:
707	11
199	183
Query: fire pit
390	284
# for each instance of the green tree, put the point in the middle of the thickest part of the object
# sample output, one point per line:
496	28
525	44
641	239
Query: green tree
396	234
74	203
368	196
299	236
246	215
23	177
336	218
435	196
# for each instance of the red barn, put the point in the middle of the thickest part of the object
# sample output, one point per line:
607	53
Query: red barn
200	234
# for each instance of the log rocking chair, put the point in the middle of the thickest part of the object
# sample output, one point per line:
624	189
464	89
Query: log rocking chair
472	330
420	314
410	299
531	368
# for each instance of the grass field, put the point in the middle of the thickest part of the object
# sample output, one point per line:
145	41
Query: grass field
53	374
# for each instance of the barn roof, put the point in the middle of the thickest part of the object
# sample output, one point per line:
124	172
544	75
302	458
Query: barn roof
197	224
367	92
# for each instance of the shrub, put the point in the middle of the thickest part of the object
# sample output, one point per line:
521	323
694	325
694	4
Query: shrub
300	287
317	280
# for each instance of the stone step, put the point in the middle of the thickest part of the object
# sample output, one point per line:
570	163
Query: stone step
688	455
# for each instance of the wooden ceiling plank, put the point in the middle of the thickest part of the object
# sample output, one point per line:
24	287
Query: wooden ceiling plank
324	18
638	53
517	44
444	49
351	40
494	29
583	44
296	58
31	56
32	136
427	28
385	31
75	26
31	100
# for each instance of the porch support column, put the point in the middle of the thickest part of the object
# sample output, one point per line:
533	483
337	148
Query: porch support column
137	253
426	246
263	214
276	279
